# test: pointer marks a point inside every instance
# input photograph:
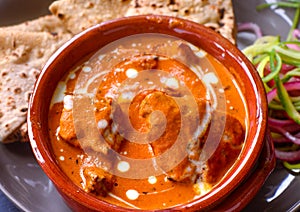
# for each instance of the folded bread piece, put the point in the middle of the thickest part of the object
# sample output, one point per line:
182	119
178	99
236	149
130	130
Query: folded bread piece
78	15
24	49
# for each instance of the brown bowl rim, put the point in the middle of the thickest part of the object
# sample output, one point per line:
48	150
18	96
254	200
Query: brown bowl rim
182	28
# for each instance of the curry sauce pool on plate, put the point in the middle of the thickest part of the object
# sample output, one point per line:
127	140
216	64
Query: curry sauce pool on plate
148	122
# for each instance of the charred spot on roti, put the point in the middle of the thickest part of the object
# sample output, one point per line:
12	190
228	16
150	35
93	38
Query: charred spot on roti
23	75
4	74
11	102
60	16
89	5
221	12
23	110
18	90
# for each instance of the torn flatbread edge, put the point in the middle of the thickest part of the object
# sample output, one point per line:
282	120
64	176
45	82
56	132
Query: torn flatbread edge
23	61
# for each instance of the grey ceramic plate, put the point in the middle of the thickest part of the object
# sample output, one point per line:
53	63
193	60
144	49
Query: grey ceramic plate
23	182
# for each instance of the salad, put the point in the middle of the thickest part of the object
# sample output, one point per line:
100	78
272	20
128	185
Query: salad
278	64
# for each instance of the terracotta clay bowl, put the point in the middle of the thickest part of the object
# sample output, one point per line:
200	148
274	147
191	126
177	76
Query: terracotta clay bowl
248	169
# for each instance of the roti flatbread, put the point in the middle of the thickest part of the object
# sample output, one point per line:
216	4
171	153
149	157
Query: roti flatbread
24	48
28	48
78	15
16	82
23	52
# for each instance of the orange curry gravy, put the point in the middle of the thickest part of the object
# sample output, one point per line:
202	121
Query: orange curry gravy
190	177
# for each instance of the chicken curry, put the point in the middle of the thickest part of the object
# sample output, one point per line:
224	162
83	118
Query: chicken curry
159	107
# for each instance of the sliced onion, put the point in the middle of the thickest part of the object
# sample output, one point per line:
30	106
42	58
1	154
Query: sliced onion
252	27
286	124
289	86
280	123
292	157
286	134
286	68
296	34
293	46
